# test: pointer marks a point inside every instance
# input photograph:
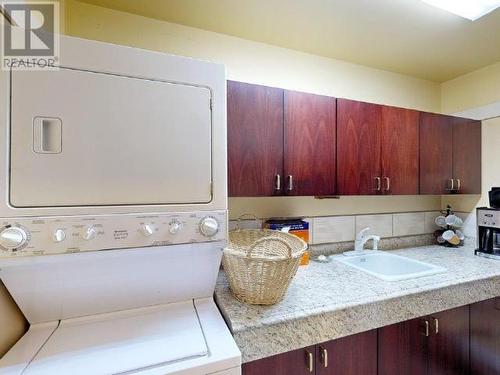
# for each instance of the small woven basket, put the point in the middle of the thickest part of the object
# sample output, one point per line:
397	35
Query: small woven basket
260	264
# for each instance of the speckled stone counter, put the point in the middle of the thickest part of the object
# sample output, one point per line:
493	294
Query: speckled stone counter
331	300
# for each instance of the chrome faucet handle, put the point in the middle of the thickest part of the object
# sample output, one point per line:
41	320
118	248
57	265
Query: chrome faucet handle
361	233
376	240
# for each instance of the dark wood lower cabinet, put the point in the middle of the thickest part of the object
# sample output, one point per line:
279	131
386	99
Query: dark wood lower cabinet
485	337
431	345
460	341
351	355
402	348
296	362
449	342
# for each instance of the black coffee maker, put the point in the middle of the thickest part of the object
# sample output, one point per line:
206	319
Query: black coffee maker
488	227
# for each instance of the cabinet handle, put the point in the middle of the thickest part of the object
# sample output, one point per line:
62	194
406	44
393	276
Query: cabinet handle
324	356
426	332
310	361
387	183
379	183
278	182
436	325
452	187
459	184
290	183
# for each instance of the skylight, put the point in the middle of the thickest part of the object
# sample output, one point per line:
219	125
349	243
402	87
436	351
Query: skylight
470	9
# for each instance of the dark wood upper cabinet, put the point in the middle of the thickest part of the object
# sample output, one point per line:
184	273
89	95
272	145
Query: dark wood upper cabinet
293	143
450	155
403	348
255	139
485	337
467	155
358	148
436	153
310	143
351	355
296	362
399	151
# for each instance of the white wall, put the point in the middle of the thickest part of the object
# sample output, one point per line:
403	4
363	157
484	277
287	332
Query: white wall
251	61
476	89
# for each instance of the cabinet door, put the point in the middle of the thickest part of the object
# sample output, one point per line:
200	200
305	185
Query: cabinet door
436	161
352	355
485	337
399	153
403	348
358	148
449	342
467	155
255	139
310	132
297	362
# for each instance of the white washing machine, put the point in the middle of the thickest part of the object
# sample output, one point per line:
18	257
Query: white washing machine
113	213
109	313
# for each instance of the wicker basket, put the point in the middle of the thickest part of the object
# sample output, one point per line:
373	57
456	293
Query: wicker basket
260	264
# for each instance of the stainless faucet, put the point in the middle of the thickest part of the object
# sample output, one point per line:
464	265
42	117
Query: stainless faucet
362	238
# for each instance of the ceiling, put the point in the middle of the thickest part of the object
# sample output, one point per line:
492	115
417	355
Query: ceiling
404	36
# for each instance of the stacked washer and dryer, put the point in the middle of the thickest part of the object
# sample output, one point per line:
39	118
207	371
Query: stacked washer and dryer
113	213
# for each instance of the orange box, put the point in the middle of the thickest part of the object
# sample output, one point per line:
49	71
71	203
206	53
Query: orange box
297	227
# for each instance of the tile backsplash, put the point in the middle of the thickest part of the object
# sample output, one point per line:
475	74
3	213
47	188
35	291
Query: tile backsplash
408	224
381	224
332	229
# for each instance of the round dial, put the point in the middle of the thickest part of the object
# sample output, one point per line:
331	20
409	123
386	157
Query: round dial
89	233
147	230
209	226
174	226
59	235
13	237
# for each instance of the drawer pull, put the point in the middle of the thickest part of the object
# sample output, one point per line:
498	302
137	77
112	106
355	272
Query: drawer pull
387	184
310	361
278	182
379	183
436	326
324	356
452	185
426	332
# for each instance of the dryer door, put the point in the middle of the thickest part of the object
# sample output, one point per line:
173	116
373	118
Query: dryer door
81	138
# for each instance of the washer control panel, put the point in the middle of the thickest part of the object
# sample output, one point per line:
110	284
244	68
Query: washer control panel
69	234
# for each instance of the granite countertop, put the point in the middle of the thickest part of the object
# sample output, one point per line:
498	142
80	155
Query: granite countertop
331	300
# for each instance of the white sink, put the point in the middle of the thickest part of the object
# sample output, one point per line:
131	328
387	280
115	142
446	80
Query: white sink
389	267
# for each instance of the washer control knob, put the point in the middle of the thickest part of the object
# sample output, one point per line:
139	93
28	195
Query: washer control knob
147	230
174	226
89	233
59	235
209	226
13	237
